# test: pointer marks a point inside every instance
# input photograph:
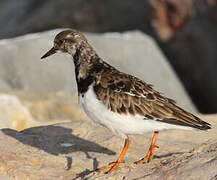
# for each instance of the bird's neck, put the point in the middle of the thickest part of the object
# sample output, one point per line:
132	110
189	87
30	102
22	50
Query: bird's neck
87	67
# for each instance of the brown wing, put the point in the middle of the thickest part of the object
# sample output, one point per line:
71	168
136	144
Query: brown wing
126	94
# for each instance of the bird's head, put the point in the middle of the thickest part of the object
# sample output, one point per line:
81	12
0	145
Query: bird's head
67	41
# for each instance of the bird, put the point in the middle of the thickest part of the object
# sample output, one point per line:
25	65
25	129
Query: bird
119	101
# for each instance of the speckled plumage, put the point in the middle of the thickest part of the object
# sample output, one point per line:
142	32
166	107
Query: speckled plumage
119	101
120	92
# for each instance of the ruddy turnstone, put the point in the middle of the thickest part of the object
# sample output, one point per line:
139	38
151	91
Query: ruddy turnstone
119	101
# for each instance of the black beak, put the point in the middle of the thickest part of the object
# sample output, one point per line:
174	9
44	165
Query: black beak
49	53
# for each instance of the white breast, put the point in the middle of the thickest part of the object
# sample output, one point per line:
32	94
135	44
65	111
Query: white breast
120	124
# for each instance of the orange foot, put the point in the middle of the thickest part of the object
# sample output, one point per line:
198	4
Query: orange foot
111	167
114	165
149	155
152	149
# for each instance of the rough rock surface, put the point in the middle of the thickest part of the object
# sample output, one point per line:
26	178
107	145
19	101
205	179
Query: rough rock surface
20	110
21	68
14	114
73	150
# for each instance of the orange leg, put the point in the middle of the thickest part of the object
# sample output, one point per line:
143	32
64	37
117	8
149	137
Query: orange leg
151	151
114	165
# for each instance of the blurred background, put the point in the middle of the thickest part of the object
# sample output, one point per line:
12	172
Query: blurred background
171	44
185	31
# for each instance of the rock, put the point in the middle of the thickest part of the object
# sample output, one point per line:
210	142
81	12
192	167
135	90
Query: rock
52	107
169	16
22	69
73	150
185	30
34	15
13	114
4	85
192	53
21	110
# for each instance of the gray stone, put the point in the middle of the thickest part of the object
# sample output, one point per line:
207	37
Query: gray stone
131	52
25	16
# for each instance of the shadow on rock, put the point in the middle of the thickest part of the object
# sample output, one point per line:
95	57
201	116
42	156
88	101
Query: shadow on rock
56	140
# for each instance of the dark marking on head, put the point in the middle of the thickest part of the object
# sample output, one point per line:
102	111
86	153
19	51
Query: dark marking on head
76	57
96	68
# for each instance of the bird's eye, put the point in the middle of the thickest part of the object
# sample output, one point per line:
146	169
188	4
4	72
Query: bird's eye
61	41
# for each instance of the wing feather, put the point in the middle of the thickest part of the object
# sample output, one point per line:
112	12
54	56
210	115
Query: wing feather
126	94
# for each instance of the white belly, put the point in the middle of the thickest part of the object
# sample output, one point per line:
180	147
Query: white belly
121	125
